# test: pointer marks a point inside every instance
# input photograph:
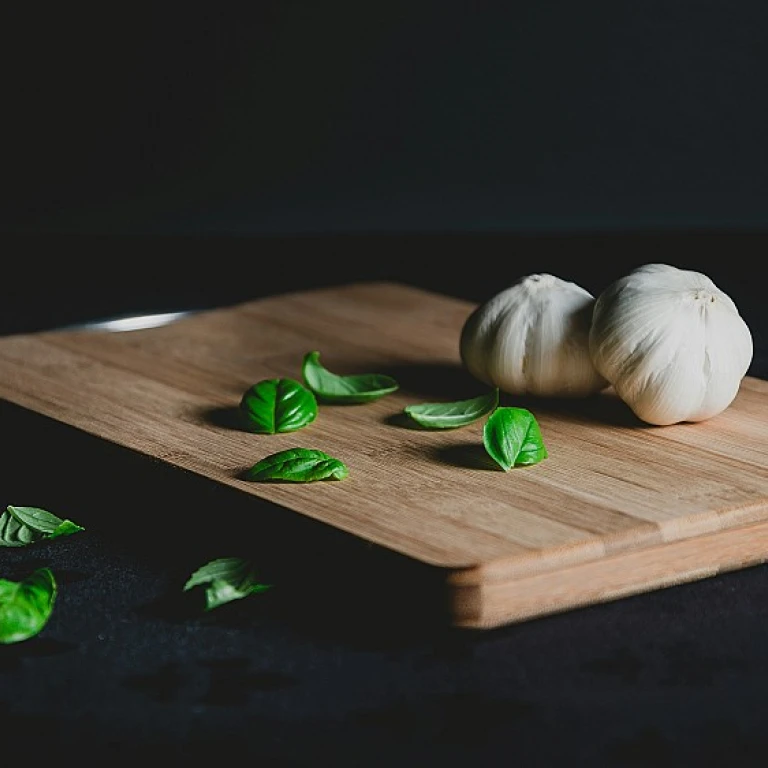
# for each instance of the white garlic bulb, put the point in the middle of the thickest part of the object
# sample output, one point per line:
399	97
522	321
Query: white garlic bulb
533	339
672	344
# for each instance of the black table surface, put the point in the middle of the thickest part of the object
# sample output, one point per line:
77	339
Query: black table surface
335	665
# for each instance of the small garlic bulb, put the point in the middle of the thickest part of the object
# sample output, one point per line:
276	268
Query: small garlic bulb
673	345
533	339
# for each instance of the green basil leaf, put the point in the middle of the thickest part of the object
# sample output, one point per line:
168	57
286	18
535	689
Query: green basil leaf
225	580
26	606
278	405
66	528
512	437
452	415
20	526
298	465
331	388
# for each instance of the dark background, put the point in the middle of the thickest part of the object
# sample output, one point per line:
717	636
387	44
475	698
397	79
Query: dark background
191	156
160	156
299	117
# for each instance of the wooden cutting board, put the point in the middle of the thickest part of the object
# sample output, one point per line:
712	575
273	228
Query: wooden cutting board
618	508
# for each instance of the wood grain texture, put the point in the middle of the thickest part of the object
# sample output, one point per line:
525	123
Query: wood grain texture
618	507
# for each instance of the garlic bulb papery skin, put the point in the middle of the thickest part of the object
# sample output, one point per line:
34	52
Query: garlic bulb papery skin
533	339
672	344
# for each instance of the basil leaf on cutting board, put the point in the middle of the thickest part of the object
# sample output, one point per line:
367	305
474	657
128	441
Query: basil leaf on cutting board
297	465
512	437
26	606
332	388
278	405
226	579
21	526
455	414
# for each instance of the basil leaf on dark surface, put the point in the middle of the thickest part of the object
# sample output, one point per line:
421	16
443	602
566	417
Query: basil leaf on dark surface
26	606
298	465
67	528
225	580
453	415
512	437
332	388
21	526
278	405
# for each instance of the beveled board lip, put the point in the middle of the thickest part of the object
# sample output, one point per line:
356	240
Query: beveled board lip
491	605
504	570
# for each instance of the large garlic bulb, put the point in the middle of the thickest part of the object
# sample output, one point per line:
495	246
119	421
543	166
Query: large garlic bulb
533	339
673	345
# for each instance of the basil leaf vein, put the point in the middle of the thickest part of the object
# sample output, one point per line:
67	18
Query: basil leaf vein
278	405
332	388
226	579
298	465
21	526
512	437
26	606
455	414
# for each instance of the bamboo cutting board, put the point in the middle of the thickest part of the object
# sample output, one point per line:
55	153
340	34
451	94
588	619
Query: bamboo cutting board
618	508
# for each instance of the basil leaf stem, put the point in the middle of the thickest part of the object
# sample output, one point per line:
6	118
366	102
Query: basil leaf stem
332	388
20	526
455	414
298	465
512	437
226	579
278	405
26	606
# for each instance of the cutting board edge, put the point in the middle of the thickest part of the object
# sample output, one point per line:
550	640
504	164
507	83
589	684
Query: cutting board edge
558	559
485	579
494	604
